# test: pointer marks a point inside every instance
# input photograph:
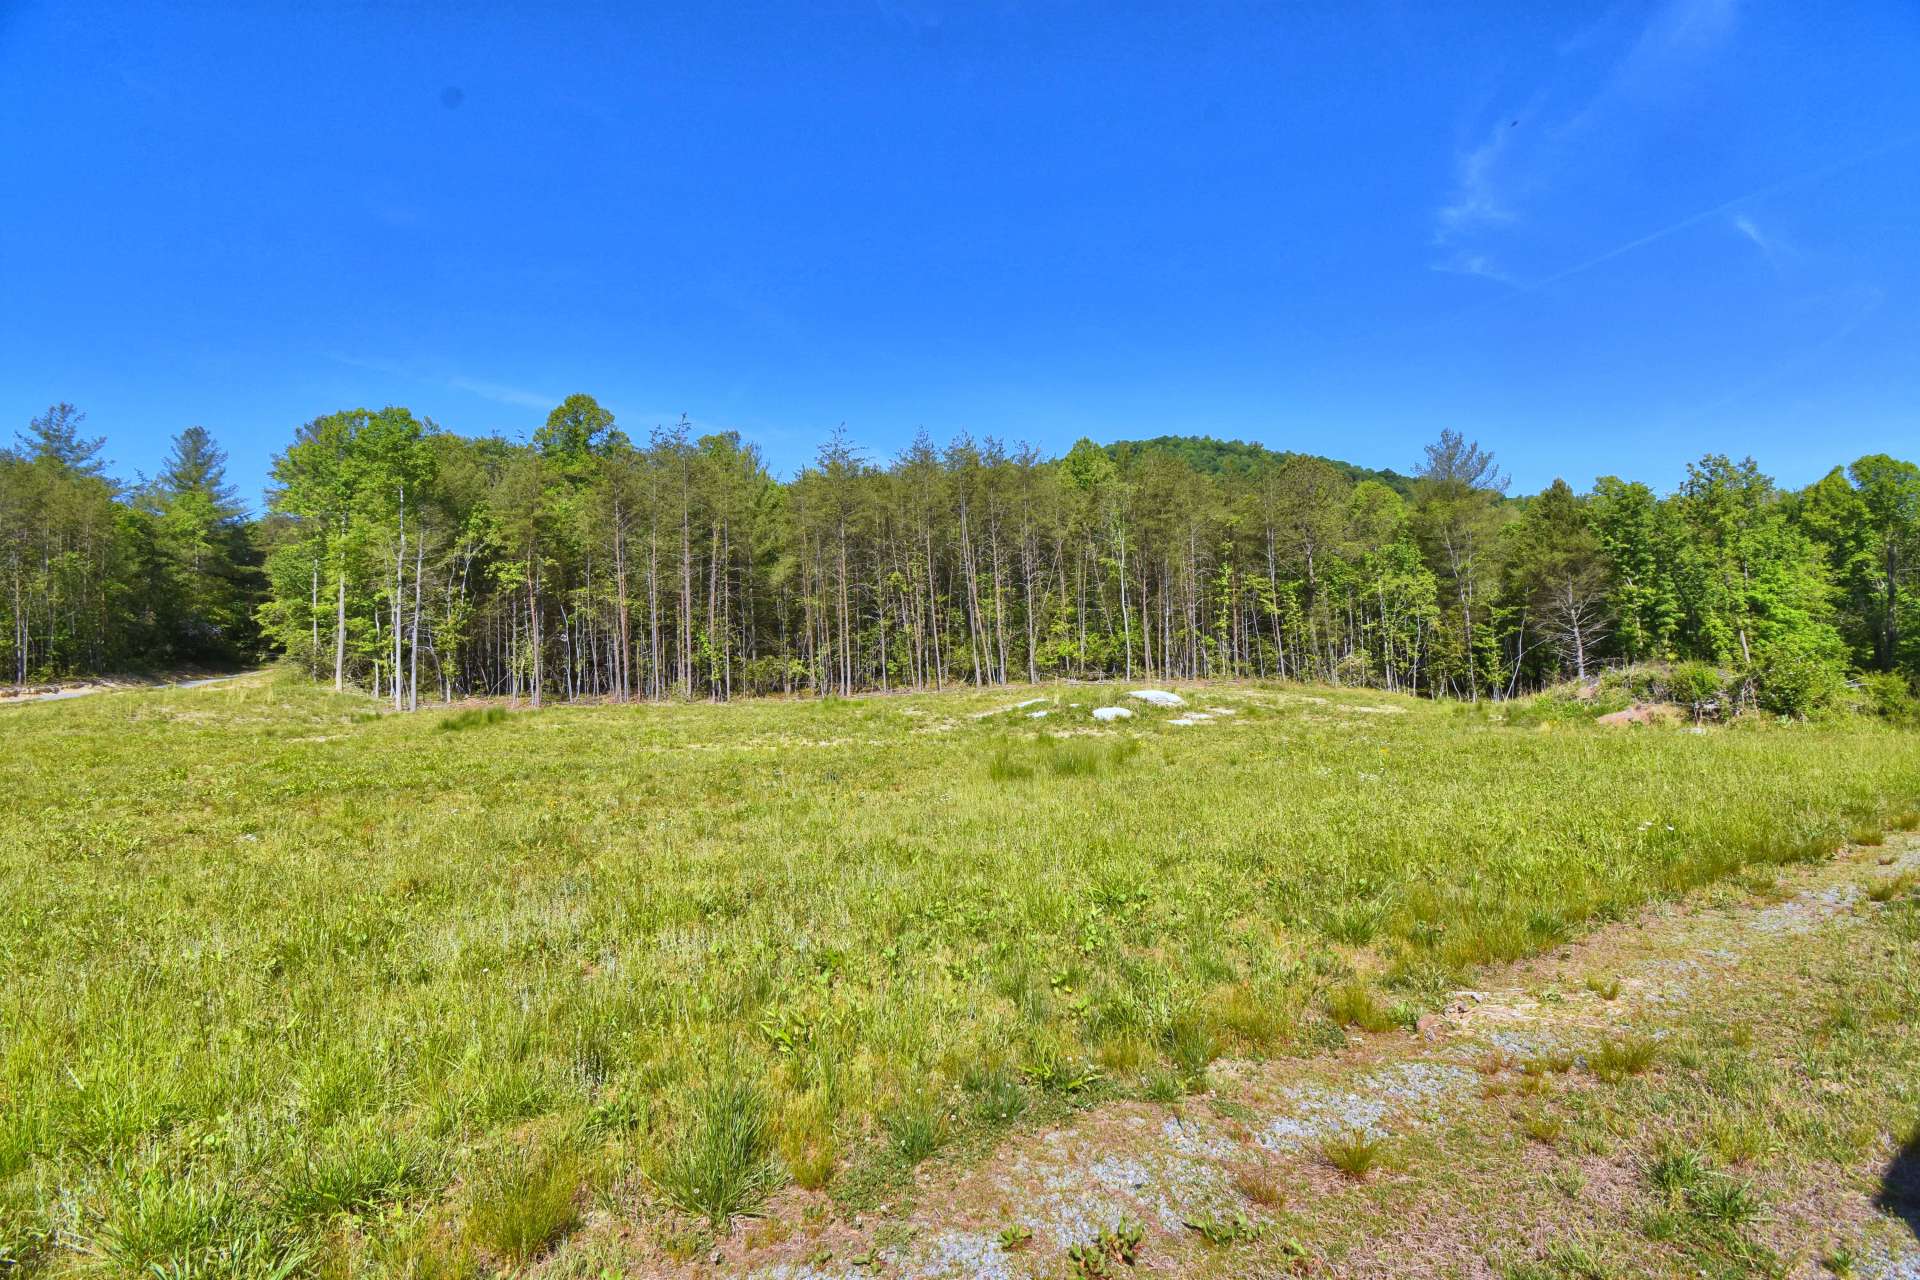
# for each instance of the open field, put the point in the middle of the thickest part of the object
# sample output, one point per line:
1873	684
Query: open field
290	985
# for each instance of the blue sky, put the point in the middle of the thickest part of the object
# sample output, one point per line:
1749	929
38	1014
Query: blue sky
1598	239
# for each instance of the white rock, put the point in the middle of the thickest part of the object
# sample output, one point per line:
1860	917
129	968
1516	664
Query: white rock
1112	713
1159	697
1036	715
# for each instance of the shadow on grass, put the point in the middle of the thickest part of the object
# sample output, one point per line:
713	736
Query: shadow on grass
1899	1194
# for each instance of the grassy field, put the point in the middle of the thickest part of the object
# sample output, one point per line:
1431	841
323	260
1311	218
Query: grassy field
289	985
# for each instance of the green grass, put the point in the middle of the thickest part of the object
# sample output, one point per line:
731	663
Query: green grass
1355	1154
524	1199
718	1163
296	963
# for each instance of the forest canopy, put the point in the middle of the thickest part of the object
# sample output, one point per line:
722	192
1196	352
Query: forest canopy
585	562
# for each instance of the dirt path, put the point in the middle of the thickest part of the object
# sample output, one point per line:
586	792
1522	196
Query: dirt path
1240	1181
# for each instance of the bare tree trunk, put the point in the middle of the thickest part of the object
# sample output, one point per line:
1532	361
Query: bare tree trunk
413	642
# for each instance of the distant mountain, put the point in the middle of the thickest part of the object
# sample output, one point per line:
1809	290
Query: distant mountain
1237	457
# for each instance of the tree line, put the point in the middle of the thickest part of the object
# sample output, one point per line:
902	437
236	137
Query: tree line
103	575
421	564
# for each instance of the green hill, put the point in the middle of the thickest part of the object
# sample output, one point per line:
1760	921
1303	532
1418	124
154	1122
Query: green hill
1238	457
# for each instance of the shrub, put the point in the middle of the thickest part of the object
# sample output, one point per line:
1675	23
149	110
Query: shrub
1888	694
1795	679
1695	686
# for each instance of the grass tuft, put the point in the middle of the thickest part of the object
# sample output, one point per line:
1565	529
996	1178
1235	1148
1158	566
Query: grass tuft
471	718
916	1128
719	1162
1355	1154
1891	887
1630	1055
1354	1004
522	1200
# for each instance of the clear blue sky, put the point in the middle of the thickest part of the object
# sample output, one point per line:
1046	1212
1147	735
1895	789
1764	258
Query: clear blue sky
1599	239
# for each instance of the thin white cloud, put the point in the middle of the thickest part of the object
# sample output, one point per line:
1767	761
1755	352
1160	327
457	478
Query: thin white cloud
499	393
1466	262
1771	246
502	394
1478	199
1529	150
1723	209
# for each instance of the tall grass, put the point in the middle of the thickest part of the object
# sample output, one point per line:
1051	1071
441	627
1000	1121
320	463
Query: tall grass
302	960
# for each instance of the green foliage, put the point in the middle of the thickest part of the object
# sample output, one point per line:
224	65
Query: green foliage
1796	678
586	563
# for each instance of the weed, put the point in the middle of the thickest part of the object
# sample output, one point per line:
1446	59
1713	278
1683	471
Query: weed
1740	1138
1676	1171
1017	1236
1354	923
1886	890
682	1239
1163	1086
1724	1200
159	1224
1003	767
996	1093
1576	1260
1191	1044
1122	1241
806	1141
1226	1229
1549	1062
1606	988
1495	1061
1867	836
1074	759
351	1173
